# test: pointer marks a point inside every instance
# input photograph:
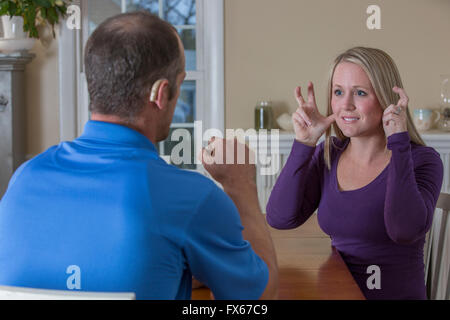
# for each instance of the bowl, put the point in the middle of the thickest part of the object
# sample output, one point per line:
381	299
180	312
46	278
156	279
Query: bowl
285	122
16	45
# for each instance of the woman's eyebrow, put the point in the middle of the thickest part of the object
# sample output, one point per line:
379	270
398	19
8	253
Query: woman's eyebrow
354	87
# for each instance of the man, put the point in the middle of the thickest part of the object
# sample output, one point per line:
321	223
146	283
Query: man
105	213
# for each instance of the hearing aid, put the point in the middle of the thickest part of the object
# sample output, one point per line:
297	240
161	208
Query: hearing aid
155	89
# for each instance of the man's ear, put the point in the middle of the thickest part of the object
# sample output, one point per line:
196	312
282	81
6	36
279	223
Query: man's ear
159	92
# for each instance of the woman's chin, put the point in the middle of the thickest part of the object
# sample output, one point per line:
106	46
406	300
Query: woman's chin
348	132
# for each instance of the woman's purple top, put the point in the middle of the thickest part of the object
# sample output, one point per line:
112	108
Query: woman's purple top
382	224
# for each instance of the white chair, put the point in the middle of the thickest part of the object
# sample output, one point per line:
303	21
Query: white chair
19	293
437	255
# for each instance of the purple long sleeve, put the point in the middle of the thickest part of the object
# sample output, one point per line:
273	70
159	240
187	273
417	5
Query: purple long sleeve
412	189
296	193
383	223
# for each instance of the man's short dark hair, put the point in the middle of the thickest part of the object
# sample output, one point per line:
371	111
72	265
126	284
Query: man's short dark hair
124	56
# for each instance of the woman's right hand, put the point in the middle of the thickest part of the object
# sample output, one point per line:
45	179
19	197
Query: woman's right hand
309	124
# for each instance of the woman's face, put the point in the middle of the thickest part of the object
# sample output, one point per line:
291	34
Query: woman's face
353	101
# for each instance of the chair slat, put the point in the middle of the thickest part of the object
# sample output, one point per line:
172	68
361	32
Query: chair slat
444	202
433	272
19	293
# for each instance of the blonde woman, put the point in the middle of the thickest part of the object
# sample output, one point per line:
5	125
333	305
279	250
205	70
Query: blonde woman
375	184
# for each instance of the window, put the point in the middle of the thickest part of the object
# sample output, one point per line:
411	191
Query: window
201	96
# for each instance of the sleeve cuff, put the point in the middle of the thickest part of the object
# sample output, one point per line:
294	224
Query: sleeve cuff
400	138
300	148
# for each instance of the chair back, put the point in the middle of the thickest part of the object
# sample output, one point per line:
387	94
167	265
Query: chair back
19	293
437	254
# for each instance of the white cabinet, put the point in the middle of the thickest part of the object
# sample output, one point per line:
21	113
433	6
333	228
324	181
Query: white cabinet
436	139
441	143
12	114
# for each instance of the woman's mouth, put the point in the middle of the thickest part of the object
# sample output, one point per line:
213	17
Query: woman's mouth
350	119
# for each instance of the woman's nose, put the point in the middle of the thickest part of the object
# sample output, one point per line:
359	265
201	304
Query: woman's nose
348	103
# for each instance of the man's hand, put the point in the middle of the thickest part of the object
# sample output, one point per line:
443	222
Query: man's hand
229	162
232	164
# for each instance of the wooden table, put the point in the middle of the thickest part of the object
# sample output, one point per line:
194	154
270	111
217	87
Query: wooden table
309	267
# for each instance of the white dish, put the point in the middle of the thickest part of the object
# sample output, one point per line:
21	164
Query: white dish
285	122
16	45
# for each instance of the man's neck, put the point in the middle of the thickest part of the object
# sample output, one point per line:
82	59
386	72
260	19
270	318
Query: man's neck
140	125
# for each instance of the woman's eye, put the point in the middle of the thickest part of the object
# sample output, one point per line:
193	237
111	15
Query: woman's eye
361	93
337	92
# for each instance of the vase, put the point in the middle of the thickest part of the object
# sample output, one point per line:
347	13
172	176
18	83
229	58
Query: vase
14	38
445	103
263	115
13	27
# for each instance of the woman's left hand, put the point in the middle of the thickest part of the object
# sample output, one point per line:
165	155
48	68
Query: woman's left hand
395	117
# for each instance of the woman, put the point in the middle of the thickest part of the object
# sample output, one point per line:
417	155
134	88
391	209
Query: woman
375	185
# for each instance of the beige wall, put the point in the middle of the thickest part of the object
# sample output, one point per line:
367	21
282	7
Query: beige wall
273	46
42	99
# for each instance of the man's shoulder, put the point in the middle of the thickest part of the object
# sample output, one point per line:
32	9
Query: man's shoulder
192	179
35	161
195	188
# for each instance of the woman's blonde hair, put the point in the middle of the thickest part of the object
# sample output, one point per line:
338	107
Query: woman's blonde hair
383	75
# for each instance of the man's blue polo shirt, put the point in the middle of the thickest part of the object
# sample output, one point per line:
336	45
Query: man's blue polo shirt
107	204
